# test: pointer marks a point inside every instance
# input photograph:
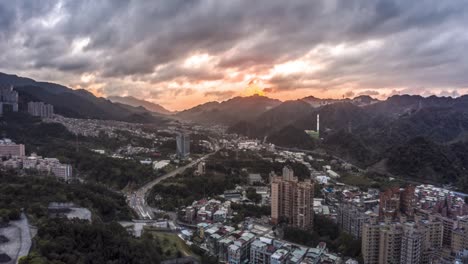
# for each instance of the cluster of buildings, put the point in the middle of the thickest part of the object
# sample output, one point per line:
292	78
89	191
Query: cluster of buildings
419	240
13	157
249	144
134	150
239	195
283	156
8	100
245	144
94	127
256	245
207	211
41	109
411	225
292	201
9	103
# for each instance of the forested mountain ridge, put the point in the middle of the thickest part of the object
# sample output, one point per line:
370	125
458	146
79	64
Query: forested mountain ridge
396	134
74	103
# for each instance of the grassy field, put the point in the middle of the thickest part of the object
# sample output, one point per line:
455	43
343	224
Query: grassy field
356	180
171	245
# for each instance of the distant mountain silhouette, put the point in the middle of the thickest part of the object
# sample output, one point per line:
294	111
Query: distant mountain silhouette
229	112
132	101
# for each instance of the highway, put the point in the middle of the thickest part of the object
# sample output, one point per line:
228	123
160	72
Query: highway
137	199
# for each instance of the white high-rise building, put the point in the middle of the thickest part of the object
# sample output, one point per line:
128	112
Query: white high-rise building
8	98
318	124
40	109
183	145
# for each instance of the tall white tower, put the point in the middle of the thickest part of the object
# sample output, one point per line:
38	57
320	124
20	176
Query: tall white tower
318	123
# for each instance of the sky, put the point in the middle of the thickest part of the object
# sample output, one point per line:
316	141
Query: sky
180	53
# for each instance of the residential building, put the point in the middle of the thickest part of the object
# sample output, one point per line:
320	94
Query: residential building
460	236
8	100
416	242
183	145
280	256
397	201
390	243
50	166
40	109
239	250
206	211
449	225
432	243
408	200
291	200
8	148
351	218
370	242
62	171
411	244
296	255
261	250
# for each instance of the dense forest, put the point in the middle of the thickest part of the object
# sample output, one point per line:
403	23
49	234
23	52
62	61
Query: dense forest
72	242
33	194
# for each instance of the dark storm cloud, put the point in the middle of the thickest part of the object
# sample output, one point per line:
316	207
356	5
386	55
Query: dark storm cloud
423	41
174	72
220	95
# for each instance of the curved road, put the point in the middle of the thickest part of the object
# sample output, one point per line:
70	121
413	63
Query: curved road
137	199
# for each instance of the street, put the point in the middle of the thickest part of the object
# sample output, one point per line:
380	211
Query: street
137	199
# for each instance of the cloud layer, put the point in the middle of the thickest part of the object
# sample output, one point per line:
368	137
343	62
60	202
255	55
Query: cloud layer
210	50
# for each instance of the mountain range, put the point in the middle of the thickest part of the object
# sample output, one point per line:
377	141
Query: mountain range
410	136
424	138
230	111
135	102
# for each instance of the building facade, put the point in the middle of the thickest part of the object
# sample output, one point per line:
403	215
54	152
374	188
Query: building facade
417	242
40	109
351	218
292	201
49	166
9	148
370	242
8	100
411	244
395	202
183	145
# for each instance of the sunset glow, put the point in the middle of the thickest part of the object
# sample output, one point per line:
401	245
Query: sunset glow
179	54
253	89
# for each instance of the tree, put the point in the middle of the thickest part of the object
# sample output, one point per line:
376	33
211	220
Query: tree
253	195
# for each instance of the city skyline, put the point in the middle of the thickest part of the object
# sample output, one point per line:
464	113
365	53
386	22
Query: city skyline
199	51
